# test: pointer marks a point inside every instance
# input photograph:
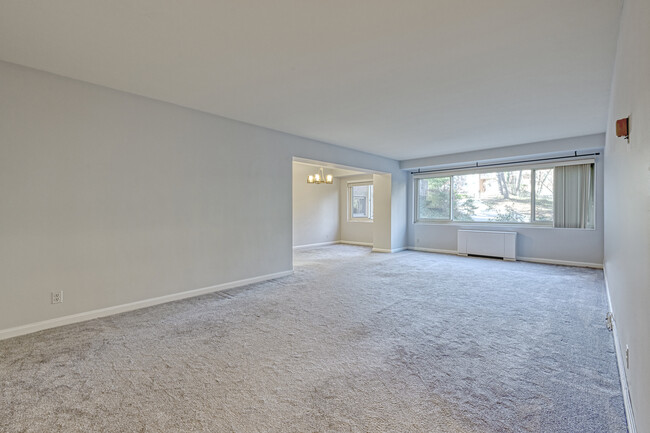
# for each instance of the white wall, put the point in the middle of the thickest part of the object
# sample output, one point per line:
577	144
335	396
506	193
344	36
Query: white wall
353	231
399	211
627	203
315	208
571	246
116	198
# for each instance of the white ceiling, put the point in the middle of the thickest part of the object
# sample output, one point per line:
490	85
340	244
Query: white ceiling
403	79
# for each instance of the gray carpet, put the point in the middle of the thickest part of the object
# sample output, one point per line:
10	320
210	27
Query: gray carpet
352	342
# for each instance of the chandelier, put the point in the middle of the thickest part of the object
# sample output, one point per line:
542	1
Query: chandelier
320	178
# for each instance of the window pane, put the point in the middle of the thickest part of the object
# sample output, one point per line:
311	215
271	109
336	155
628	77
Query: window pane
359	206
544	195
433	198
361	201
492	197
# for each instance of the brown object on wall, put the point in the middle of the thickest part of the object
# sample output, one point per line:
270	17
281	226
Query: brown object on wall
621	128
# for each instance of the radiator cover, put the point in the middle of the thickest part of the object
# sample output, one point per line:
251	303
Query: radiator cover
488	243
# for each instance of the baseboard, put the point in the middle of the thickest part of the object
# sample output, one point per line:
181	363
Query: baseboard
102	312
433	250
561	262
523	259
320	244
361	244
620	360
323	244
386	250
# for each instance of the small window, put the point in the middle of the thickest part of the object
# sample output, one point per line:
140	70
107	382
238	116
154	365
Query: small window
360	202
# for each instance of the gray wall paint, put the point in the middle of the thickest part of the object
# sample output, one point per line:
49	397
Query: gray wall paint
353	231
559	147
568	245
627	203
315	208
116	198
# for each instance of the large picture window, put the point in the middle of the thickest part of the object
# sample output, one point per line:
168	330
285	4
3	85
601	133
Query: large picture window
502	196
560	196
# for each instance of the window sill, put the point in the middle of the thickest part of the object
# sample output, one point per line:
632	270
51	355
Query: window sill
360	221
496	225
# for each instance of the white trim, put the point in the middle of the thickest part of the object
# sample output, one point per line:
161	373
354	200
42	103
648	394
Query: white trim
319	244
361	244
108	311
433	250
386	250
523	259
359	182
369	207
622	373
561	262
465	225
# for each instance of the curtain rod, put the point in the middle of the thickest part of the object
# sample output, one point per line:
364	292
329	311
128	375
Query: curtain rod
575	155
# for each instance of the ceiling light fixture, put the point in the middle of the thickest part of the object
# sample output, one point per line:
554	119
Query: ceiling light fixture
320	177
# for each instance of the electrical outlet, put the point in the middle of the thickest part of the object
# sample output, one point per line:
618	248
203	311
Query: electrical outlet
57	297
627	356
609	321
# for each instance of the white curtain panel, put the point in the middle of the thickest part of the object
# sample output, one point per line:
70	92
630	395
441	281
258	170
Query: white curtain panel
573	200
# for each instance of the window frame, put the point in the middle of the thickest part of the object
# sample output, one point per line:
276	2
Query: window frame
495	169
416	188
370	206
